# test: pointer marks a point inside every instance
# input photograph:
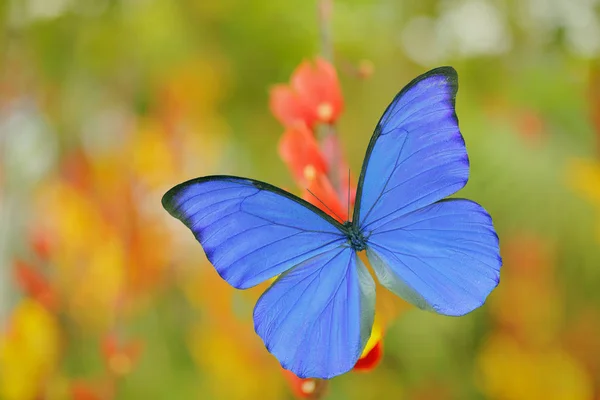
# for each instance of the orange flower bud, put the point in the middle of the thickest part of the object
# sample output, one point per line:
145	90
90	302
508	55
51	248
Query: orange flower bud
300	151
314	95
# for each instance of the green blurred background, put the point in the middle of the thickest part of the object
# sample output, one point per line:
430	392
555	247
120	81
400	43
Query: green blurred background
105	104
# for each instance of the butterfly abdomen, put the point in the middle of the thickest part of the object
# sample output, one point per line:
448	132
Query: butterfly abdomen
356	239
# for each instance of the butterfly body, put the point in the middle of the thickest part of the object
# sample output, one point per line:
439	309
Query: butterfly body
442	255
356	238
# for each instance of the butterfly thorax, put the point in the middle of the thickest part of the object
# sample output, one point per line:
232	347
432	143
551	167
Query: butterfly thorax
356	240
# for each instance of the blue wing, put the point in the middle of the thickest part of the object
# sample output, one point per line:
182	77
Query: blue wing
251	231
317	318
416	155
443	257
440	256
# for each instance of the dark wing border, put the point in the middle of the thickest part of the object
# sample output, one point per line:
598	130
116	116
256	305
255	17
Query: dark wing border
452	76
167	199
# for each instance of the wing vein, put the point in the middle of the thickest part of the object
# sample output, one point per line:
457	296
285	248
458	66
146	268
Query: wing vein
407	205
331	298
387	180
317	270
303	254
291	226
415	99
180	206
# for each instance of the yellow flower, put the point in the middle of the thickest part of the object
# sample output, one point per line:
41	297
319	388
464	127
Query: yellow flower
234	364
28	351
89	254
153	159
98	285
375	337
585	179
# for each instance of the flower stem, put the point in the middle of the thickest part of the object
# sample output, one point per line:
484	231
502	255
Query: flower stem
327	132
320	389
324	12
330	146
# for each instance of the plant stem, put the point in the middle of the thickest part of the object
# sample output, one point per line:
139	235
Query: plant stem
324	12
327	132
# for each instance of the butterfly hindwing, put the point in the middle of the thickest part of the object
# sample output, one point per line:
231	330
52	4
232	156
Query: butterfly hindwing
317	317
443	257
251	231
439	255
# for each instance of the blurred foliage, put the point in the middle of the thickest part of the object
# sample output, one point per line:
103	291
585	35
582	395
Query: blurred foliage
105	104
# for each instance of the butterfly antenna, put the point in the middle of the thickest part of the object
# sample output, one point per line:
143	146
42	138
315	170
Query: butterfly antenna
326	206
348	212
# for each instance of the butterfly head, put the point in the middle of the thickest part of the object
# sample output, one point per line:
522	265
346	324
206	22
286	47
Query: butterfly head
356	239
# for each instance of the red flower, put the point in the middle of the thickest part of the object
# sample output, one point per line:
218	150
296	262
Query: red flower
41	244
299	149
35	285
120	357
313	96
83	391
373	351
530	126
77	170
371	359
304	388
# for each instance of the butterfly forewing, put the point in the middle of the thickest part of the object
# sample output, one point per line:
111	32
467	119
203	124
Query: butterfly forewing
251	232
417	154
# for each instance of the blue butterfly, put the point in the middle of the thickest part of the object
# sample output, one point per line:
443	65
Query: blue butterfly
439	254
